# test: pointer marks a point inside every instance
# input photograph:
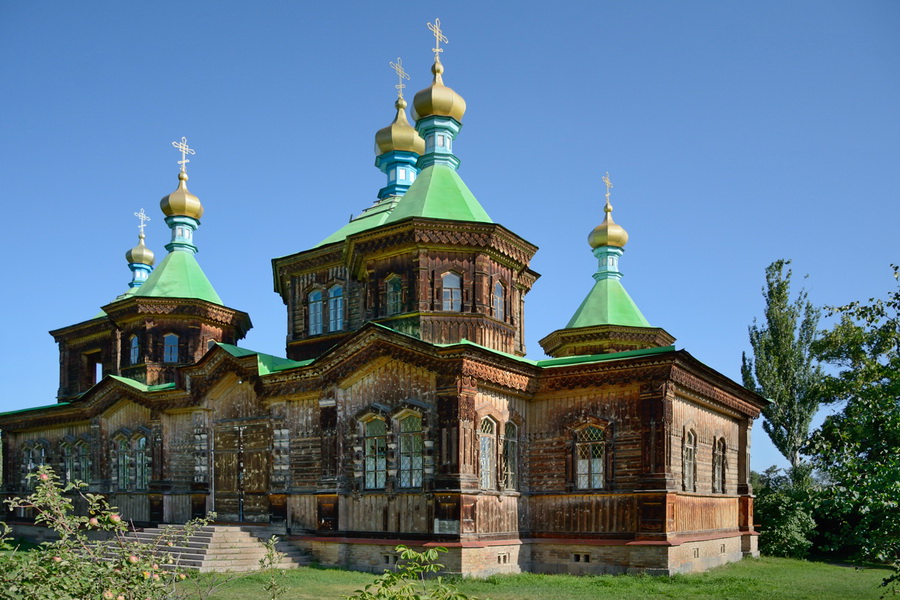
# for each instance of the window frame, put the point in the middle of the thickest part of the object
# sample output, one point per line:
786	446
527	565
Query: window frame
411	452
487	453
393	295
720	447
315	307
689	460
134	350
335	308
171	352
375	455
450	301
510	456
593	476
498	301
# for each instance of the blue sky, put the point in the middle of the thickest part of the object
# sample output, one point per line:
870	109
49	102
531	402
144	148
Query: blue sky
734	133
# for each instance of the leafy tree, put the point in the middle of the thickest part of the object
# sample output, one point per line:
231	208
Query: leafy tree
783	368
858	449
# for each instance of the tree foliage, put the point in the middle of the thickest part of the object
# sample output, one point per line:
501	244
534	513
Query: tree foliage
783	511
409	580
858	449
783	368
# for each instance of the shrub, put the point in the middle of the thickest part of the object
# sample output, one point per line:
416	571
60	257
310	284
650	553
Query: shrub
409	580
74	566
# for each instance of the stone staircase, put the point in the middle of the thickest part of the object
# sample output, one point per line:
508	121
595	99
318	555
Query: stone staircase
222	548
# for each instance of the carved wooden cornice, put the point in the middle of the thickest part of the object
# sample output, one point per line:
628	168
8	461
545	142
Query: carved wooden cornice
604	338
134	308
95	328
615	372
693	378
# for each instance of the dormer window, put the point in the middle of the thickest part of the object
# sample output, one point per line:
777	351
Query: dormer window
452	291
336	308
170	348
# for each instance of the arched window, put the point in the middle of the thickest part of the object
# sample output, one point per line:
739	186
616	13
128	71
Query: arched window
589	454
68	456
498	299
689	461
411	450
141	464
376	454
487	444
452	291
393	295
336	308
134	350
83	462
719	466
314	302
510	456
123	460
33	457
170	348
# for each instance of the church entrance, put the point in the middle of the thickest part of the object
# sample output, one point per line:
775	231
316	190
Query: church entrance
241	470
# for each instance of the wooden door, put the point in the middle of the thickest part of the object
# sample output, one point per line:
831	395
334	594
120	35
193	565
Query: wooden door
241	471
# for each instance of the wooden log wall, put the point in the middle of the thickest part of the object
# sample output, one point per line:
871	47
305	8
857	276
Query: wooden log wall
578	514
398	513
550	435
708	425
706	513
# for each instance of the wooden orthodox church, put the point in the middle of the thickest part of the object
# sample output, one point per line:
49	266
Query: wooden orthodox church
405	410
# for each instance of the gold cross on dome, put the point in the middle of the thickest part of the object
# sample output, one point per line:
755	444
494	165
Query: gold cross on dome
438	38
401	75
608	185
185	150
142	216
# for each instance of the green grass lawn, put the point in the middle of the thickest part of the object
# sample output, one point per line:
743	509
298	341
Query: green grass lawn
764	579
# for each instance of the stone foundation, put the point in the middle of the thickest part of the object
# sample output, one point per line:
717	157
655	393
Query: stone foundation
575	557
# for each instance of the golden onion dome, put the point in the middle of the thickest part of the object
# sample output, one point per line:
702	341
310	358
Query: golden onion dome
399	135
608	233
181	202
140	254
438	99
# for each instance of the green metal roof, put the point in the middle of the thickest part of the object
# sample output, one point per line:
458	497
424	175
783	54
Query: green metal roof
439	193
33	408
266	363
142	386
371	217
608	304
566	360
179	276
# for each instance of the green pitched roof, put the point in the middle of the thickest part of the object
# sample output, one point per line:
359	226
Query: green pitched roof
371	217
179	276
439	193
266	363
608	304
142	386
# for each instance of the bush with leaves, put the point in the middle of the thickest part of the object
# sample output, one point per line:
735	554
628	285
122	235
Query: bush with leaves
410	580
782	509
76	566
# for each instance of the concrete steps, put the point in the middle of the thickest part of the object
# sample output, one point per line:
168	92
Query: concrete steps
219	547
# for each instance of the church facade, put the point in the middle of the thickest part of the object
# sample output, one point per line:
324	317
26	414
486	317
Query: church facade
404	410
